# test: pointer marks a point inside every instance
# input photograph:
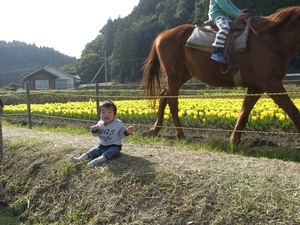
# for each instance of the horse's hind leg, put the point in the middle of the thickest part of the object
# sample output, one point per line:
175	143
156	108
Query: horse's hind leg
248	104
160	114
168	98
173	88
173	103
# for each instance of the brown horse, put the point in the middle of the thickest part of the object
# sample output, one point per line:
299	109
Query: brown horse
263	67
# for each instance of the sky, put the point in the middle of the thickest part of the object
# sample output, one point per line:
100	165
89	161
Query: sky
64	25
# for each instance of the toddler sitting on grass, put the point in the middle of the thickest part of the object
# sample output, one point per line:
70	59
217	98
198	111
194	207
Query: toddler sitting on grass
111	133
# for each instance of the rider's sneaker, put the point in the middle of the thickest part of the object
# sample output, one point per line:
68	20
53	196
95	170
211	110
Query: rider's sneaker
219	57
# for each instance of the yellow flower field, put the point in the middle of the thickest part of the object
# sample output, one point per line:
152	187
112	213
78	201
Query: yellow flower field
192	111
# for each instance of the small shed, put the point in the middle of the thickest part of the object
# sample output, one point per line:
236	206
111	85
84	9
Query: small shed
50	77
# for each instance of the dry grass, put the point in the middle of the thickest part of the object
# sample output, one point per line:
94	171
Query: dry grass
147	184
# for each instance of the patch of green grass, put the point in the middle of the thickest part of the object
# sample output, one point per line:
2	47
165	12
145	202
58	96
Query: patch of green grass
286	154
63	129
69	129
245	149
8	219
65	170
6	123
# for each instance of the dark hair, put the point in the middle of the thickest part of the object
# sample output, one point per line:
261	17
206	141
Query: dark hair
108	104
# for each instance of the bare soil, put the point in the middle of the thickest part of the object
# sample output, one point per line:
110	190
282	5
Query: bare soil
252	138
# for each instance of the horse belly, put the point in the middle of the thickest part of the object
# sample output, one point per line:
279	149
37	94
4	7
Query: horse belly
205	69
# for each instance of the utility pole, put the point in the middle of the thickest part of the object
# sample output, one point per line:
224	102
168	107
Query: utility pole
2	201
105	67
105	70
111	71
97	73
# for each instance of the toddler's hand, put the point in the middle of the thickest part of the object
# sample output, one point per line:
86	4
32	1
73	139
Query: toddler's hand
130	129
94	128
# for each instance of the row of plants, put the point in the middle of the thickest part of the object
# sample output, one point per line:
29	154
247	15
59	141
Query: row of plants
193	112
63	96
113	91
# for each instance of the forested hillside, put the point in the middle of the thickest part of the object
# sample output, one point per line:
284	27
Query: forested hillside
18	58
127	41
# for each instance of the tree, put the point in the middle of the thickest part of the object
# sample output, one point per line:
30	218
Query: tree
166	19
1	153
201	11
109	31
68	68
183	11
124	51
94	46
87	67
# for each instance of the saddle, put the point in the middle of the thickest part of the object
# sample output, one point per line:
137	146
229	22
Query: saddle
203	36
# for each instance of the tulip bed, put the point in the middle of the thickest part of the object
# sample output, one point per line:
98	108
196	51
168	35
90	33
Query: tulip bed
193	112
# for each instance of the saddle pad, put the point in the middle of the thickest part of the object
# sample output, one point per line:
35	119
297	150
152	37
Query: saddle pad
201	39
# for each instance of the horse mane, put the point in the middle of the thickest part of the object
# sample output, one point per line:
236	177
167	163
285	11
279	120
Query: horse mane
280	19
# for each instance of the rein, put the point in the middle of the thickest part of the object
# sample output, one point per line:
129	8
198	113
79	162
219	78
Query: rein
262	40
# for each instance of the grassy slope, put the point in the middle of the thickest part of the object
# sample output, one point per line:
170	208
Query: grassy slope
147	184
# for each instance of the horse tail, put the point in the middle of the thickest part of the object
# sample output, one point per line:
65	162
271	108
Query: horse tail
152	71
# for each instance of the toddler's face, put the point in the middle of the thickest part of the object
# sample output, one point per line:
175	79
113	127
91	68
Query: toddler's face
107	114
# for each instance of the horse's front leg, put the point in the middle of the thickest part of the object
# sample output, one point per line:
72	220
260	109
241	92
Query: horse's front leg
248	104
160	114
284	102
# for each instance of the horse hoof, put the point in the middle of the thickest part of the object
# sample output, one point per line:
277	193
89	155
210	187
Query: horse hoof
234	142
180	135
235	138
149	133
